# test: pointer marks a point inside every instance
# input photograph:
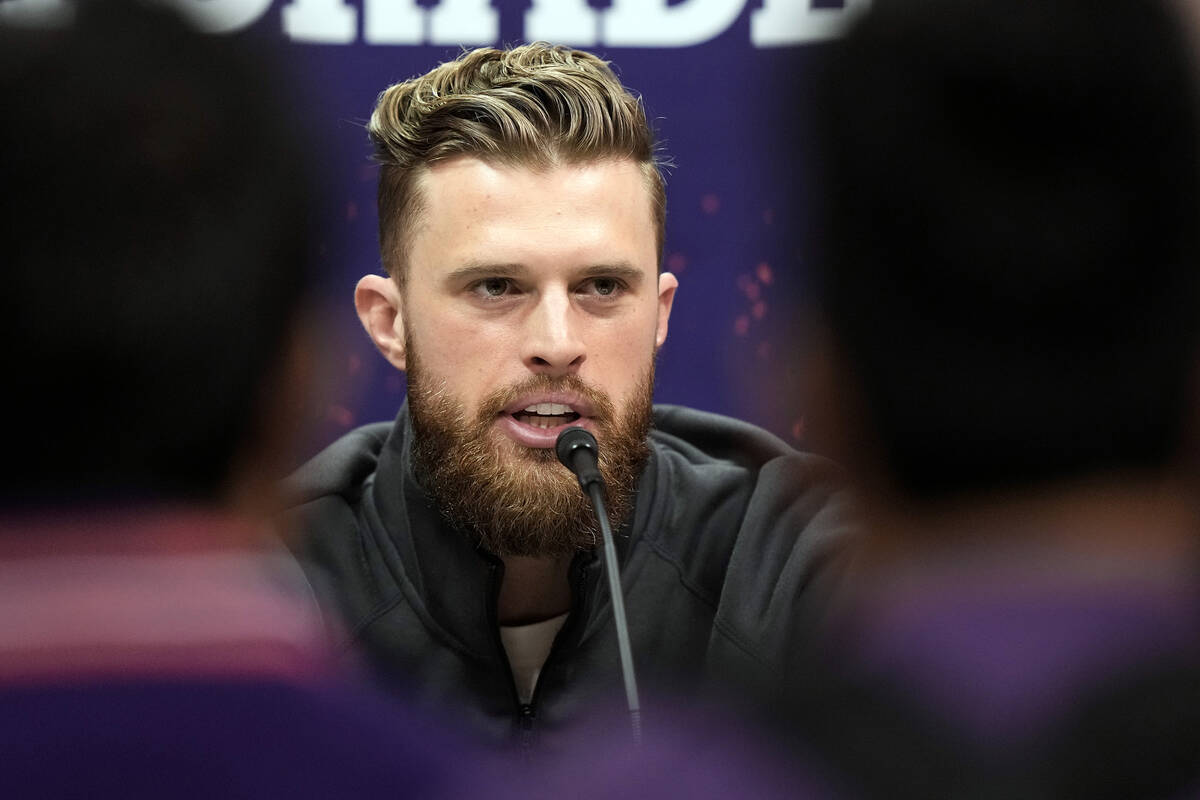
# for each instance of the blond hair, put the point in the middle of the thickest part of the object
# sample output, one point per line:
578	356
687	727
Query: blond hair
536	105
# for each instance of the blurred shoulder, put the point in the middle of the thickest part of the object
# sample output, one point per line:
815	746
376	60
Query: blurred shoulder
717	445
341	468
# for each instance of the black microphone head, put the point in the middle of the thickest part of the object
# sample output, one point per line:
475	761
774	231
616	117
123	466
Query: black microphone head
571	440
578	452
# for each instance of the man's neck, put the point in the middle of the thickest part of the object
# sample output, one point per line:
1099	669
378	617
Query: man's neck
534	589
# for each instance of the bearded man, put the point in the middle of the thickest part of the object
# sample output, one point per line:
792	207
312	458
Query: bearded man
521	217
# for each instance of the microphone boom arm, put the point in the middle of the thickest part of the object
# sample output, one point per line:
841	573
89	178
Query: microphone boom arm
576	449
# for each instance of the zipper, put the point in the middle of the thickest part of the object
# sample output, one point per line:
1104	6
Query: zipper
527	712
525	719
567	632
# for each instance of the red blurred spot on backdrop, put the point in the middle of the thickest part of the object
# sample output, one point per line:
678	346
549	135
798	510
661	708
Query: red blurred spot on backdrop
768	216
748	286
710	203
759	310
353	364
340	415
798	429
765	273
351	210
676	262
764	349
741	325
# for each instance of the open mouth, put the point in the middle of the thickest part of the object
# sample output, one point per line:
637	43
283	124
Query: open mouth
546	415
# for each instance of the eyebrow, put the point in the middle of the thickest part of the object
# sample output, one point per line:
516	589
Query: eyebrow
476	270
621	269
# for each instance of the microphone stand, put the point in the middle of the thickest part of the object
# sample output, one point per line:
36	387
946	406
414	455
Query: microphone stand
577	450
596	493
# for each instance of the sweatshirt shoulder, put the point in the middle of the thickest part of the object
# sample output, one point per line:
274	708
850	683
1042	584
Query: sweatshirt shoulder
762	529
341	468
728	493
719	482
703	439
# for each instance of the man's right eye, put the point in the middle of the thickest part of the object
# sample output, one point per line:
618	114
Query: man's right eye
492	287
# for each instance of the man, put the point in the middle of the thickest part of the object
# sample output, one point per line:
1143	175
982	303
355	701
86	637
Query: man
1008	367
521	224
155	641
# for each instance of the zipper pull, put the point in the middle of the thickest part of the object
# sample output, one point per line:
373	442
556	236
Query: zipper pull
525	724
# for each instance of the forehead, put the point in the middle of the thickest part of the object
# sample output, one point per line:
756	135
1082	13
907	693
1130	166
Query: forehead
566	215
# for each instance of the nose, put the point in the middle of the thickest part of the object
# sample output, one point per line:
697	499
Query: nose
552	344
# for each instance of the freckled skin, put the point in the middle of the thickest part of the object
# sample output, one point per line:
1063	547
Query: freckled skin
514	272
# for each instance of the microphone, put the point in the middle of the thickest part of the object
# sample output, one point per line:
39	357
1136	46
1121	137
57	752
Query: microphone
578	452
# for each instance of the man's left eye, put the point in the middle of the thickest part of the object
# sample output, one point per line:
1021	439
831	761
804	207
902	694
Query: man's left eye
605	287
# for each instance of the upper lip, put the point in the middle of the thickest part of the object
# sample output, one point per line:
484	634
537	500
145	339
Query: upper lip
576	402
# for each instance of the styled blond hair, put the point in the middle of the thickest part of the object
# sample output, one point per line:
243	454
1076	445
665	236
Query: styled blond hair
536	105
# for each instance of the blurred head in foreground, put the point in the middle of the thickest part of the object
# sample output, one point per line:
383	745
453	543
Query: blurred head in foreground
152	643
1006	360
155	260
1010	245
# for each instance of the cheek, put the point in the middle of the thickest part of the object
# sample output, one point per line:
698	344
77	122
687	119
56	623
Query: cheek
624	357
434	331
462	357
641	338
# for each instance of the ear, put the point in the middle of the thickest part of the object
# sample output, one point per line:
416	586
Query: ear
380	310
667	284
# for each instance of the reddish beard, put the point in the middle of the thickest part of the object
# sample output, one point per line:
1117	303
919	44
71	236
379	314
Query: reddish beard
519	501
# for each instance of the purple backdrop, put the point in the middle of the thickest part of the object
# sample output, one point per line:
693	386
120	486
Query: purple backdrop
718	80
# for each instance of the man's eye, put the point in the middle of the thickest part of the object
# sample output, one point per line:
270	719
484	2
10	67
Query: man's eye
605	287
492	287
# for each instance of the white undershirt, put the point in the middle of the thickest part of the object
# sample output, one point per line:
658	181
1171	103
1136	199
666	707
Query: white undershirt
527	647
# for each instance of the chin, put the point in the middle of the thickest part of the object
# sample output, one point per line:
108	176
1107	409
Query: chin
510	452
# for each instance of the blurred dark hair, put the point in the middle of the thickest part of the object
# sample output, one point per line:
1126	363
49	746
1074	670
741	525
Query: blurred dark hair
1010	251
155	252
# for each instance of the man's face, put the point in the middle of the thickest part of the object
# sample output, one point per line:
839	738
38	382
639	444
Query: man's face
532	302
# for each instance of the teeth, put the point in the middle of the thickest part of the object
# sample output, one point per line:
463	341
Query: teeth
548	409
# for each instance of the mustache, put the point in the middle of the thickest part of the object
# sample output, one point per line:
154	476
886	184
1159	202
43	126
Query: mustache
497	401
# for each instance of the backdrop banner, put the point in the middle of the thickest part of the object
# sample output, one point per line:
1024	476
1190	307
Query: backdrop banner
720	79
